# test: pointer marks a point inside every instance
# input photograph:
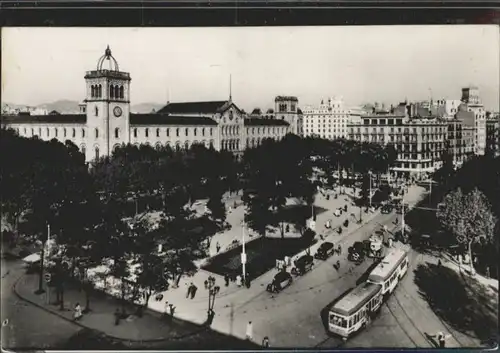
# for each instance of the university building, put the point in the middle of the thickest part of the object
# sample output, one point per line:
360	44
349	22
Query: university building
105	120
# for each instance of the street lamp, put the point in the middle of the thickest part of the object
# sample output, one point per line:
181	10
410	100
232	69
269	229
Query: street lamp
370	176
213	289
403	215
243	251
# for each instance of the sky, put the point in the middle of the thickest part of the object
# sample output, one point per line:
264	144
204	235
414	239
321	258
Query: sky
362	64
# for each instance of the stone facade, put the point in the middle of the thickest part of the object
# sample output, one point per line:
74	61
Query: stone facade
105	121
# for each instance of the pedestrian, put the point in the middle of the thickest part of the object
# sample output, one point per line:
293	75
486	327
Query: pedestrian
338	264
193	291
439	263
78	311
217	246
117	316
238	281
247	281
171	312
442	339
165	311
339	249
226	279
265	342
249	332
189	290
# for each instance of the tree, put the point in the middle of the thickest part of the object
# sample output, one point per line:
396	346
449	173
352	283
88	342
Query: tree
445	174
468	217
150	266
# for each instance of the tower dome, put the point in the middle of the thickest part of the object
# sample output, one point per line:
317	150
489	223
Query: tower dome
113	64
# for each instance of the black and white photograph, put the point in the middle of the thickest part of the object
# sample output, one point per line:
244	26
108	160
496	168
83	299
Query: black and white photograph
248	188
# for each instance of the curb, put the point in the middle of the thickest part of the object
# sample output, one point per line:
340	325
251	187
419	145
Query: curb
174	338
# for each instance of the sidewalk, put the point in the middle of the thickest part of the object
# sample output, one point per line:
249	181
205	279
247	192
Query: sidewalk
150	327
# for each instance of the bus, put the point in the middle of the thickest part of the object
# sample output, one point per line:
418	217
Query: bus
354	310
390	270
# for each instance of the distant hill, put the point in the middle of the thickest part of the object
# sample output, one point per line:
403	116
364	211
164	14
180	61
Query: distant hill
62	106
68	106
146	107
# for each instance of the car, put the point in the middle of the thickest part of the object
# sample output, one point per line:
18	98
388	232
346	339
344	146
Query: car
302	265
386	209
356	252
324	251
280	281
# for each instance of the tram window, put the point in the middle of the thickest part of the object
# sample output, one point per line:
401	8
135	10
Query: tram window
339	321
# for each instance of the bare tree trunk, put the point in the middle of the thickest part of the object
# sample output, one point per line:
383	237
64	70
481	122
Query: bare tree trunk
472	270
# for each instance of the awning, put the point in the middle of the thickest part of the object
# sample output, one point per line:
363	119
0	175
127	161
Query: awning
32	258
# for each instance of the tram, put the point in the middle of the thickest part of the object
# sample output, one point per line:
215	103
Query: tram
354	310
390	270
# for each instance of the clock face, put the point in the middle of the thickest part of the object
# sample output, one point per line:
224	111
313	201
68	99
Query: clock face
117	111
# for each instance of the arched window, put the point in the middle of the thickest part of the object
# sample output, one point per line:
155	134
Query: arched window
157	132
187	132
146	132
253	130
96	152
73	132
64	132
96	111
100	91
168	132
158	145
83	133
135	132
55	131
121	91
92	91
40	131
117	91
178	146
177	132
24	131
111	92
211	134
195	131
82	147
117	133
48	132
96	133
32	132
203	131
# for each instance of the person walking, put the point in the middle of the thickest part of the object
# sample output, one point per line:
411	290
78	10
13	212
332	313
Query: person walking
217	246
441	337
238	281
339	249
226	279
193	291
171	310
117	316
189	290
78	312
249	331
265	342
247	280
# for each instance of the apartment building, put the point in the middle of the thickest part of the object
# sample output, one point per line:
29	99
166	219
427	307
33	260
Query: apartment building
420	141
329	120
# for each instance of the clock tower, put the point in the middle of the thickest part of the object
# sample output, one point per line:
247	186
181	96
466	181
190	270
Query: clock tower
108	106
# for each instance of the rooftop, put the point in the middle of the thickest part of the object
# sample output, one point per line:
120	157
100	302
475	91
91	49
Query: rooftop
210	107
45	119
265	122
286	98
164	119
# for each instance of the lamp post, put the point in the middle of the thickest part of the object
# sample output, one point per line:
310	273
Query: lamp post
370	176
213	289
403	215
243	251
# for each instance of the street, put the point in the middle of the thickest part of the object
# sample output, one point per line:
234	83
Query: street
28	327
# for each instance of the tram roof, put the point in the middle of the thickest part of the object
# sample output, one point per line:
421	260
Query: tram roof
387	265
354	299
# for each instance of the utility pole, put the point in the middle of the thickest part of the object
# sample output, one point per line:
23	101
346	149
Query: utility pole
243	252
403	216
370	176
